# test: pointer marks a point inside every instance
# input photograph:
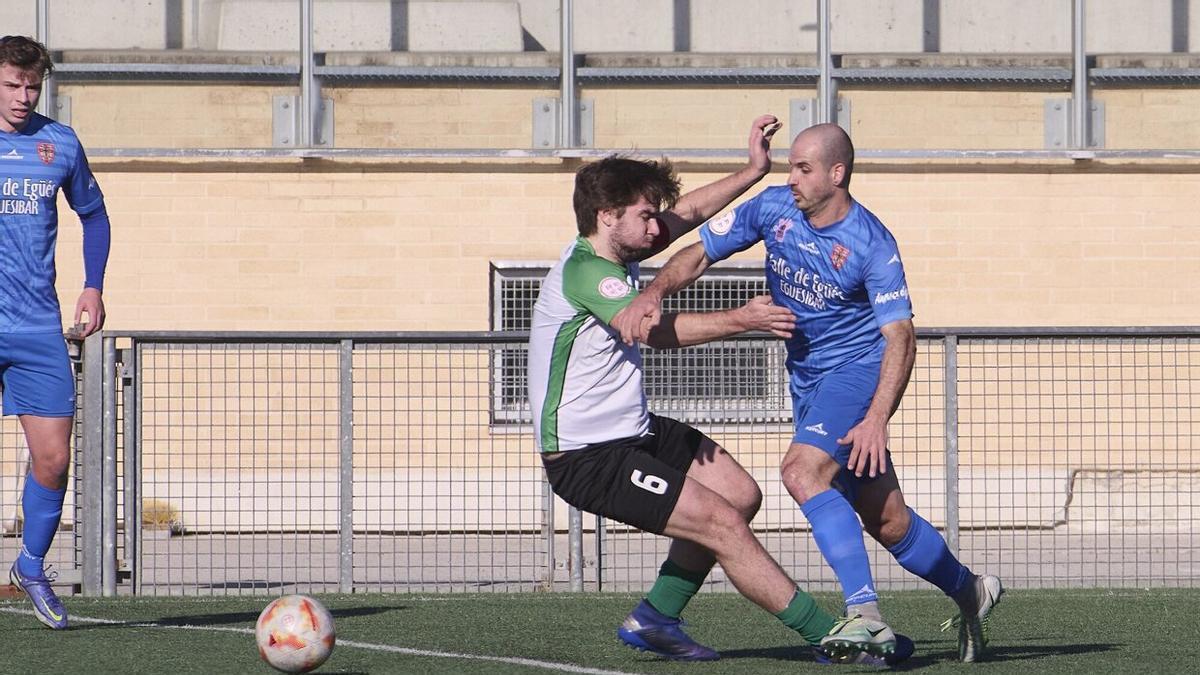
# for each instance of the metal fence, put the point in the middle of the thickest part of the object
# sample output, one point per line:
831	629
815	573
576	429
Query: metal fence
249	463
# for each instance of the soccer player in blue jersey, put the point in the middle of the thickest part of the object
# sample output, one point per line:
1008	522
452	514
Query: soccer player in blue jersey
838	269
605	453
38	157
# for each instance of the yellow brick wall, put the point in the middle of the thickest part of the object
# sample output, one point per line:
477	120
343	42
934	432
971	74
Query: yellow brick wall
1003	120
297	245
922	119
660	117
382	116
239	115
172	115
1151	118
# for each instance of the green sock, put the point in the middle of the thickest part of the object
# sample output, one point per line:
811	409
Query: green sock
804	616
673	589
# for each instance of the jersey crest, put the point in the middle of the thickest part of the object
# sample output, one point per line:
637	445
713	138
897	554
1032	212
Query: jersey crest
46	152
838	256
781	228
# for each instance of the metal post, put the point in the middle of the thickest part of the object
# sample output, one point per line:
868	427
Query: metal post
46	104
826	89
575	545
129	450
950	393
548	531
568	109
1079	87
307	79
92	465
138	480
109	494
195	24
599	553
346	467
43	20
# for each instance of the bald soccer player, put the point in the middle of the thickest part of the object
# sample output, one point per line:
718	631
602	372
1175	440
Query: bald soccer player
838	269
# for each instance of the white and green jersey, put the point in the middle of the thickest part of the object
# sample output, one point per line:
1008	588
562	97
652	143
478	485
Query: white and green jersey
585	384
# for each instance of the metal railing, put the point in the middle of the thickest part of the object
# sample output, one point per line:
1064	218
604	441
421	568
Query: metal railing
307	71
250	462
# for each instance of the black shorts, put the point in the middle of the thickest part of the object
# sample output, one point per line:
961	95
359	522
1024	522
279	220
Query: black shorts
635	481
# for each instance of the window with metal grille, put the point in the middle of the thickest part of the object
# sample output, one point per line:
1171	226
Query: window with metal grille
729	381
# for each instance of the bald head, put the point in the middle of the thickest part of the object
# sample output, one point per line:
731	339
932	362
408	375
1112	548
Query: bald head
831	144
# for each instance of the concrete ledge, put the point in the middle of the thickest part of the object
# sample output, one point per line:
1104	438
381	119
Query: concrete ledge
944	60
506	59
1003	498
180	57
1148	61
444	59
511	499
1151	501
878	71
697	60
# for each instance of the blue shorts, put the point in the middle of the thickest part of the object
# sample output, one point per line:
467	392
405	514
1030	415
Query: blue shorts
832	406
36	376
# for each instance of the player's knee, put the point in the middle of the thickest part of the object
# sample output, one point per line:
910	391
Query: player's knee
723	526
50	469
801	479
749	502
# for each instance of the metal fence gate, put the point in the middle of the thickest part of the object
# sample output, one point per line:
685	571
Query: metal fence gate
255	463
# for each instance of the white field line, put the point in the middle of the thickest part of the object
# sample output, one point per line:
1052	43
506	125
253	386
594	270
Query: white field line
532	663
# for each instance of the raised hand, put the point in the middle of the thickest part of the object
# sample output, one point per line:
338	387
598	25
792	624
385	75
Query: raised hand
761	131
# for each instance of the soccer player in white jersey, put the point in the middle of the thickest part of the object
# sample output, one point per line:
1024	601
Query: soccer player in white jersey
38	157
604	453
838	269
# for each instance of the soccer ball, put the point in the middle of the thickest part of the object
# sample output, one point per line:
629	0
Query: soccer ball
294	634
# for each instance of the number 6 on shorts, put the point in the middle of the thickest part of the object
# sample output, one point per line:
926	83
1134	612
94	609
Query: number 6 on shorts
648	482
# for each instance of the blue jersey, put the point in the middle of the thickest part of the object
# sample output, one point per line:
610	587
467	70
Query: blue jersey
34	164
843	282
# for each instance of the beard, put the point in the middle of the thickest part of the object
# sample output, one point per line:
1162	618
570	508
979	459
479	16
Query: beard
632	253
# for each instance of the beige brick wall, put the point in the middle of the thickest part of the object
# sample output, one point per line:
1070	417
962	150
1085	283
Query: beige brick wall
239	115
172	115
658	117
922	119
1151	118
290	245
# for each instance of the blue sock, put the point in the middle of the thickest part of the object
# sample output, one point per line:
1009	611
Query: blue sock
43	510
839	536
923	552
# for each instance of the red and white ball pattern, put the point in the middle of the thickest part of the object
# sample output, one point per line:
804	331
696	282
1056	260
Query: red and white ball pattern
295	634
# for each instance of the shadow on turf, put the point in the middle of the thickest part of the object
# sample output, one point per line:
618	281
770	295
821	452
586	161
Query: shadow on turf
1027	652
924	658
802	654
239	618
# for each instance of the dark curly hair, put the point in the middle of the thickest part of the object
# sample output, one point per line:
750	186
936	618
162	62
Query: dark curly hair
616	182
25	53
